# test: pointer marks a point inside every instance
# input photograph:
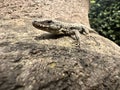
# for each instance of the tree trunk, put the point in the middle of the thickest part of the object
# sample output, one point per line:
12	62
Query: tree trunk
31	59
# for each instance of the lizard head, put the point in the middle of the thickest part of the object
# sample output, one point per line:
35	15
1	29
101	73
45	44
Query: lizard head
47	25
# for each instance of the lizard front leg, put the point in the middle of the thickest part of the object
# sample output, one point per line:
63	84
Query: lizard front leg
77	36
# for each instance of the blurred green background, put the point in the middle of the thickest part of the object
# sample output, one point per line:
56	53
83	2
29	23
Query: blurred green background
104	17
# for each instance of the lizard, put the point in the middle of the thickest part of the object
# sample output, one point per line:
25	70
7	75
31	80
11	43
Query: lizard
59	27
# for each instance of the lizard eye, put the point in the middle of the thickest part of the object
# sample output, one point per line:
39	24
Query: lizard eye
49	21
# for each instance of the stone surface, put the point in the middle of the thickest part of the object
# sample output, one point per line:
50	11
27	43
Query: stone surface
68	10
31	59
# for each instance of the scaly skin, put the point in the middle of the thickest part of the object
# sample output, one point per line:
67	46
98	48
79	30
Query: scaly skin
59	27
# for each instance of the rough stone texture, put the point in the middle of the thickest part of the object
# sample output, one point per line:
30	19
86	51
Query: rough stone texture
31	59
69	10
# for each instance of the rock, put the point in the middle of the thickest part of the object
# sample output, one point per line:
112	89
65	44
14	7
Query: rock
31	59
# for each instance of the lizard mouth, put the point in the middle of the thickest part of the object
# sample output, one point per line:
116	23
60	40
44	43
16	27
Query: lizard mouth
48	27
44	25
39	25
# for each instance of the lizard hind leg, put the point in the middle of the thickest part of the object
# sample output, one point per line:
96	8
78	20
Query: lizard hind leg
85	31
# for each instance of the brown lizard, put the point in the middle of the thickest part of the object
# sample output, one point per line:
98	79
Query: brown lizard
59	27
